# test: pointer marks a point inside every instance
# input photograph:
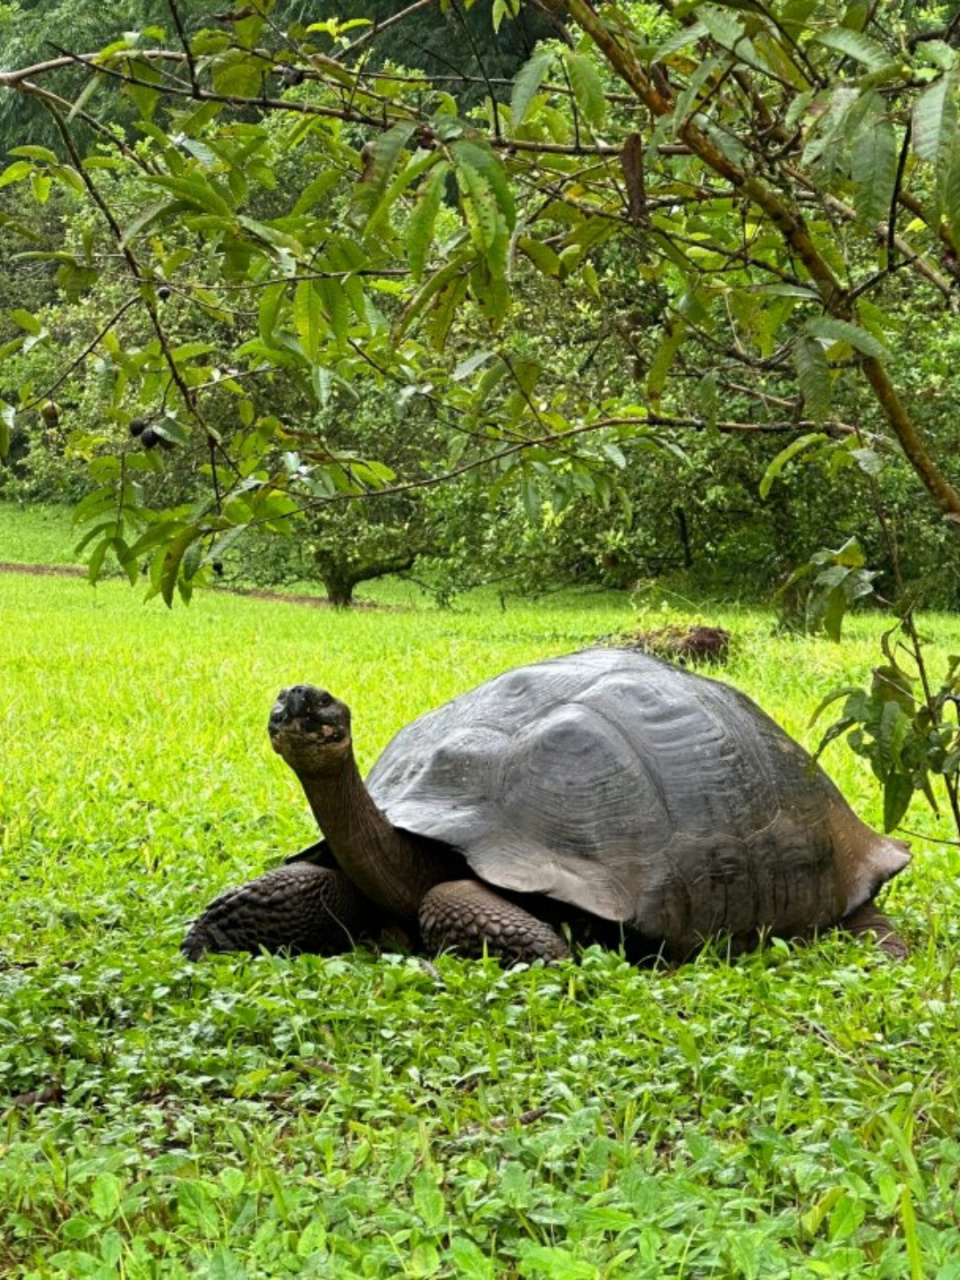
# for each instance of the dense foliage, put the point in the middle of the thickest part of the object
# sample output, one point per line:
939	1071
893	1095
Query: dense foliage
666	223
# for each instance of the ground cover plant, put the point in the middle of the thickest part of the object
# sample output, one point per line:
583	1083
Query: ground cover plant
793	1114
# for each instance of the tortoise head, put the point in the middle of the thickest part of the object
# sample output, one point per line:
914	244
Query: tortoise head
310	728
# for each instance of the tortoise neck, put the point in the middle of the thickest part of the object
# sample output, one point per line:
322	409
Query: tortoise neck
392	868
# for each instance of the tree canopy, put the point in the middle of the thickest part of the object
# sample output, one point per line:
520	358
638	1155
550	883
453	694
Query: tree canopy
716	215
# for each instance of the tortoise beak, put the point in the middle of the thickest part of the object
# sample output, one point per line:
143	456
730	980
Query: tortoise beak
305	709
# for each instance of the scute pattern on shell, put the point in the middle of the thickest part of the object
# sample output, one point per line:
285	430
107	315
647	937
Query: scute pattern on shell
629	788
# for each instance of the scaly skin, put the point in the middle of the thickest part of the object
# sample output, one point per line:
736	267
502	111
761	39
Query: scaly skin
297	907
470	918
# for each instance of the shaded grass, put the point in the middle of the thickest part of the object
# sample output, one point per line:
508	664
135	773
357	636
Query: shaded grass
794	1114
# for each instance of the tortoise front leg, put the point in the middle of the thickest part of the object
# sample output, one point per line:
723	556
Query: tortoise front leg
469	917
296	907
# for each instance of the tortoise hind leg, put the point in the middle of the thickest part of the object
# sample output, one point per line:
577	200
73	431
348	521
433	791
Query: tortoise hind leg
868	919
296	907
470	918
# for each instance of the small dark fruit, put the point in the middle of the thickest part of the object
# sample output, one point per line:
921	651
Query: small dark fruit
137	426
217	567
149	438
163	293
291	76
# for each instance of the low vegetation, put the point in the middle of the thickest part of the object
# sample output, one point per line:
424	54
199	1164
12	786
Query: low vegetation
794	1114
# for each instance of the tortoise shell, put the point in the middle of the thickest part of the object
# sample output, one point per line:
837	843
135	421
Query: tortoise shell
637	792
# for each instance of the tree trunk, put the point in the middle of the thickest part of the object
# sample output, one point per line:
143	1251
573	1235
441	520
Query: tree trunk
340	577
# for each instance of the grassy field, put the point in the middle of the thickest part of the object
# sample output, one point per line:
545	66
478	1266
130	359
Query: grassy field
796	1114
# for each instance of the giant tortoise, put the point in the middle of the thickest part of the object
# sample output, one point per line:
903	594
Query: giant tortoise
602	795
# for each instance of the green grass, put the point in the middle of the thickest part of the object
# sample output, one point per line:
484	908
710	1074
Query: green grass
36	535
795	1114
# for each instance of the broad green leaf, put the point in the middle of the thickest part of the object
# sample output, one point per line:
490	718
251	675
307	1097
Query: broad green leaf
423	219
199	192
468	1260
158	533
442	314
660	365
490	292
7	419
935	116
854	44
147	217
428	291
167	562
527	82
587	87
844	692
236	74
75	280
405	177
813	374
381	161
80	1228
271	300
428	1200
688	98
504	9
897	794
843	331
145	94
893	730
779	290
588	275
308	317
849	555
335	308
481	199
948	184
874	156
315	190
201	152
834	611
785	455
726	29
485	162
225	1264
831	125
471	365
706	395
190	350
16	172
104	530
541	255
26	320
938	53
105	1196
487	227
682	39
95	504
868	461
846	1215
36	153
554	1262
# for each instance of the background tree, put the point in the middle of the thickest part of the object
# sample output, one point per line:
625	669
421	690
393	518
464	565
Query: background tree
779	191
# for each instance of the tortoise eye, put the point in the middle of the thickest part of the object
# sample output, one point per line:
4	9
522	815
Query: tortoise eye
324	699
